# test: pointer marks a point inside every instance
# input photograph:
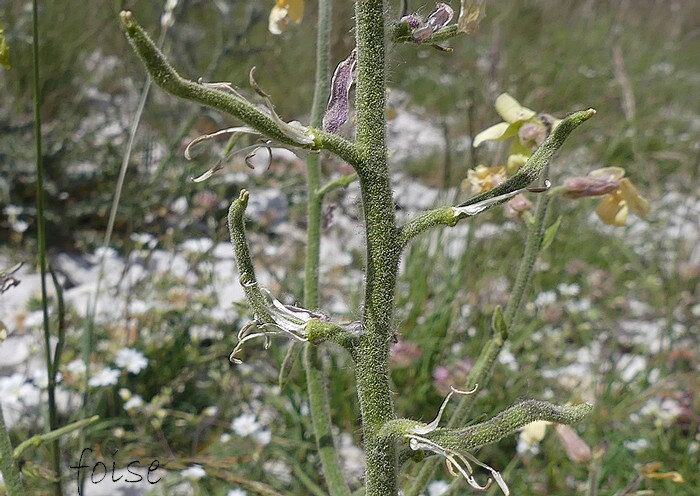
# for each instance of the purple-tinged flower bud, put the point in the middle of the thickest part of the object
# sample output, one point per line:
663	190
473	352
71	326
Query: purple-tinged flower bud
579	187
338	109
412	20
532	134
576	448
404	354
516	207
439	18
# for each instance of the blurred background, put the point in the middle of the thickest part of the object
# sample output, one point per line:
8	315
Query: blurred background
612	318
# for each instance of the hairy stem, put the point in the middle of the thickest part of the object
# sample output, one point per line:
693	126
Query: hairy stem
8	467
506	423
372	372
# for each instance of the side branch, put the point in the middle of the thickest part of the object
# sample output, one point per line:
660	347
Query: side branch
402	33
507	423
236	226
518	183
341	182
271	316
165	76
534	166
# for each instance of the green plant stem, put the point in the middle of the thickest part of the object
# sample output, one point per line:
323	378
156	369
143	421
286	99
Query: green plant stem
506	423
532	249
526	175
8	467
313	364
168	79
40	439
88	336
41	242
372	374
483	367
320	415
341	182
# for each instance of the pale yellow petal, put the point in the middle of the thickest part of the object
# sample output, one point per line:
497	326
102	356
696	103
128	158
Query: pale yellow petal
612	210
636	202
296	9
515	162
499	131
534	432
511	111
608	173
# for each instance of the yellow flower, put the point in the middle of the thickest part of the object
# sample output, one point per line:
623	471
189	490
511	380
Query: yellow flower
4	51
483	178
615	206
650	471
515	162
517	121
534	432
283	12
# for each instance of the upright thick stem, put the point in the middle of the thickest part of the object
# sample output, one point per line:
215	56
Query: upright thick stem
8	467
382	249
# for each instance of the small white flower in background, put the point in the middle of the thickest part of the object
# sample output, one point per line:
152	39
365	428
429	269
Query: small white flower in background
569	289
139	307
263	438
105	377
134	402
545	298
197	245
236	492
578	306
106	251
41	379
195	472
202	332
144	239
279	470
225	438
76	367
507	358
636	445
15	391
665	410
437	488
210	411
179	206
130	359
245	425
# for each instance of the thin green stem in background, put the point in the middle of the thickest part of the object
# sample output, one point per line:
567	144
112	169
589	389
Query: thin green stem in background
41	242
483	366
313	363
88	336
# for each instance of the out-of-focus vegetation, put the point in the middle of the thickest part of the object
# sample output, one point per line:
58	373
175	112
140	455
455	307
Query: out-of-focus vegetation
614	312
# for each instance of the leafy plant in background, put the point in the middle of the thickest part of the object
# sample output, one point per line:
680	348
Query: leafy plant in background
388	441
